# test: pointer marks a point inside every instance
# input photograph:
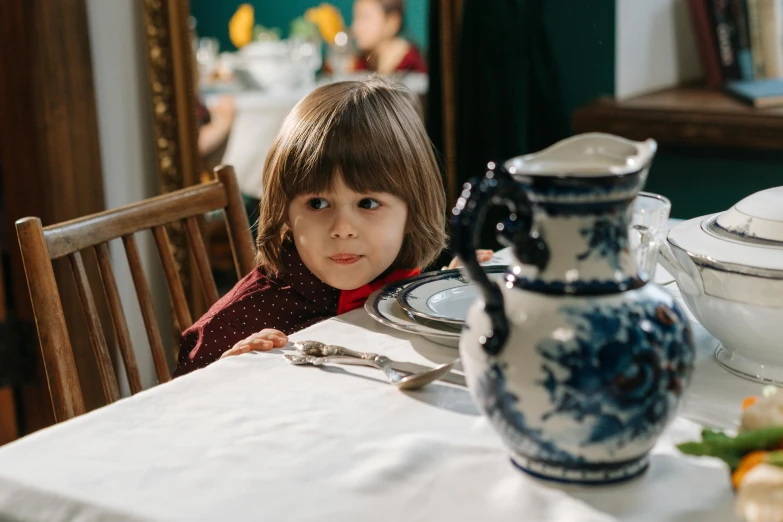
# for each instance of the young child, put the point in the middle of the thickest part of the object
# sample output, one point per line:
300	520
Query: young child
353	200
376	27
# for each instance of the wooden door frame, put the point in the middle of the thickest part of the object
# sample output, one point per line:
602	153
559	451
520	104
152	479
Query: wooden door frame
450	18
49	162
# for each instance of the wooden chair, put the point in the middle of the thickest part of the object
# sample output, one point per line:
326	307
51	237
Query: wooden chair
40	245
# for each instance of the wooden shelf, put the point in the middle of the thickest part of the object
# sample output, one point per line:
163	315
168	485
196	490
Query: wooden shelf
688	116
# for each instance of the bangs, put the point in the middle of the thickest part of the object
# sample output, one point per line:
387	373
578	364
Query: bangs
365	148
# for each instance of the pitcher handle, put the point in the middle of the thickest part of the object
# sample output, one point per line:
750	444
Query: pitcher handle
496	188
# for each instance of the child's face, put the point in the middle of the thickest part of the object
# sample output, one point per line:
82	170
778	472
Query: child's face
371	25
347	239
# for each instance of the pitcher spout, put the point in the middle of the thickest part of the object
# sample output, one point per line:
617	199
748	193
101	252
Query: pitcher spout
588	154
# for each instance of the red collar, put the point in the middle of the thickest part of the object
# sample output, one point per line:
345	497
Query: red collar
353	299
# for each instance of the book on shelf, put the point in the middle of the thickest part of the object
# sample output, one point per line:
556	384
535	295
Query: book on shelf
754	25
741	41
738	39
770	13
725	27
705	40
762	94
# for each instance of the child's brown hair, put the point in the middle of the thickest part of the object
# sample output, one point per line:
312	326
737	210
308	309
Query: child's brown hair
393	6
370	133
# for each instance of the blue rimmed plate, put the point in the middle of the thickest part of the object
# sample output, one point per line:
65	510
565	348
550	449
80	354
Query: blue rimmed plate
383	307
443	297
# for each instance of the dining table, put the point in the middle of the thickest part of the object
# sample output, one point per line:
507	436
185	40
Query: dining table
255	438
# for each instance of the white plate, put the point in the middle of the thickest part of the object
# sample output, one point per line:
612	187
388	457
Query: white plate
444	297
382	306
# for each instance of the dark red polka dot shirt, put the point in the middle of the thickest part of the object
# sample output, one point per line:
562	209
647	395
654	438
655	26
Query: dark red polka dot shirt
290	302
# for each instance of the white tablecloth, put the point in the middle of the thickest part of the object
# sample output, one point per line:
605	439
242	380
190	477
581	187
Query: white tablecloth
254	438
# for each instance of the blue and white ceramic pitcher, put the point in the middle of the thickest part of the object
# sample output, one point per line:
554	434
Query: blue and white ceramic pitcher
578	363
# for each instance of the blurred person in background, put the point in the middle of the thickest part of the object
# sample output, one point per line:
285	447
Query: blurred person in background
376	27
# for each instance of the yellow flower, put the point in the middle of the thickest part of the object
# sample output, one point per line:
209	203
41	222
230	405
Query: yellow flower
328	19
240	27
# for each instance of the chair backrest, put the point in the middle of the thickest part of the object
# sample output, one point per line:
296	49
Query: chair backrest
40	245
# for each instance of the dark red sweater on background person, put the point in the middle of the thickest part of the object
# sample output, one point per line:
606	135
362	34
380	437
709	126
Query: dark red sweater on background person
411	62
290	302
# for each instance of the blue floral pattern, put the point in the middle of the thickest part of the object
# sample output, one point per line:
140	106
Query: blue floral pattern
616	371
502	407
548	189
622	372
606	238
587	288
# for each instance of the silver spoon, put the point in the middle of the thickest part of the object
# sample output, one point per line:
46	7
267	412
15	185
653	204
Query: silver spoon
401	380
319	349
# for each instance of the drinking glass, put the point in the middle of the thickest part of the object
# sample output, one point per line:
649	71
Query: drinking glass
307	56
340	56
648	230
207	51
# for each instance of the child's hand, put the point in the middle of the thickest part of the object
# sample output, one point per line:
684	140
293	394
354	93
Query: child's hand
262	341
482	255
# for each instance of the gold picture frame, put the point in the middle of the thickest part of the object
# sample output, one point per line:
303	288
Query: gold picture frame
172	73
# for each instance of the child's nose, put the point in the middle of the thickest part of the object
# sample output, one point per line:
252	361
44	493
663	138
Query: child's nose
343	226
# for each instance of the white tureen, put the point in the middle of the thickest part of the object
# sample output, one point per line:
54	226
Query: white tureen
729	267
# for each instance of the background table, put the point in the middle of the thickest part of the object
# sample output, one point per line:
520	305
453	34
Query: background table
254	438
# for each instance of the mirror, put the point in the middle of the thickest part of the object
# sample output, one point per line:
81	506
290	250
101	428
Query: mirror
257	59
224	75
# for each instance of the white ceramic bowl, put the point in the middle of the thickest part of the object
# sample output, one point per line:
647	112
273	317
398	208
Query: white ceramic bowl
270	64
729	267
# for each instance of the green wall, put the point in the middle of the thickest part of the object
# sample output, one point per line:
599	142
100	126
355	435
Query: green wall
698	181
582	45
703	181
212	16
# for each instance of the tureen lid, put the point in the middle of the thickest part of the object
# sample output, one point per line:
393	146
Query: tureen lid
758	216
748	235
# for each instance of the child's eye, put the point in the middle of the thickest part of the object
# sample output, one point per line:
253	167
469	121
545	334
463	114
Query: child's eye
369	204
317	203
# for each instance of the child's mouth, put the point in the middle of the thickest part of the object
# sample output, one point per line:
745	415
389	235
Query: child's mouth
345	259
